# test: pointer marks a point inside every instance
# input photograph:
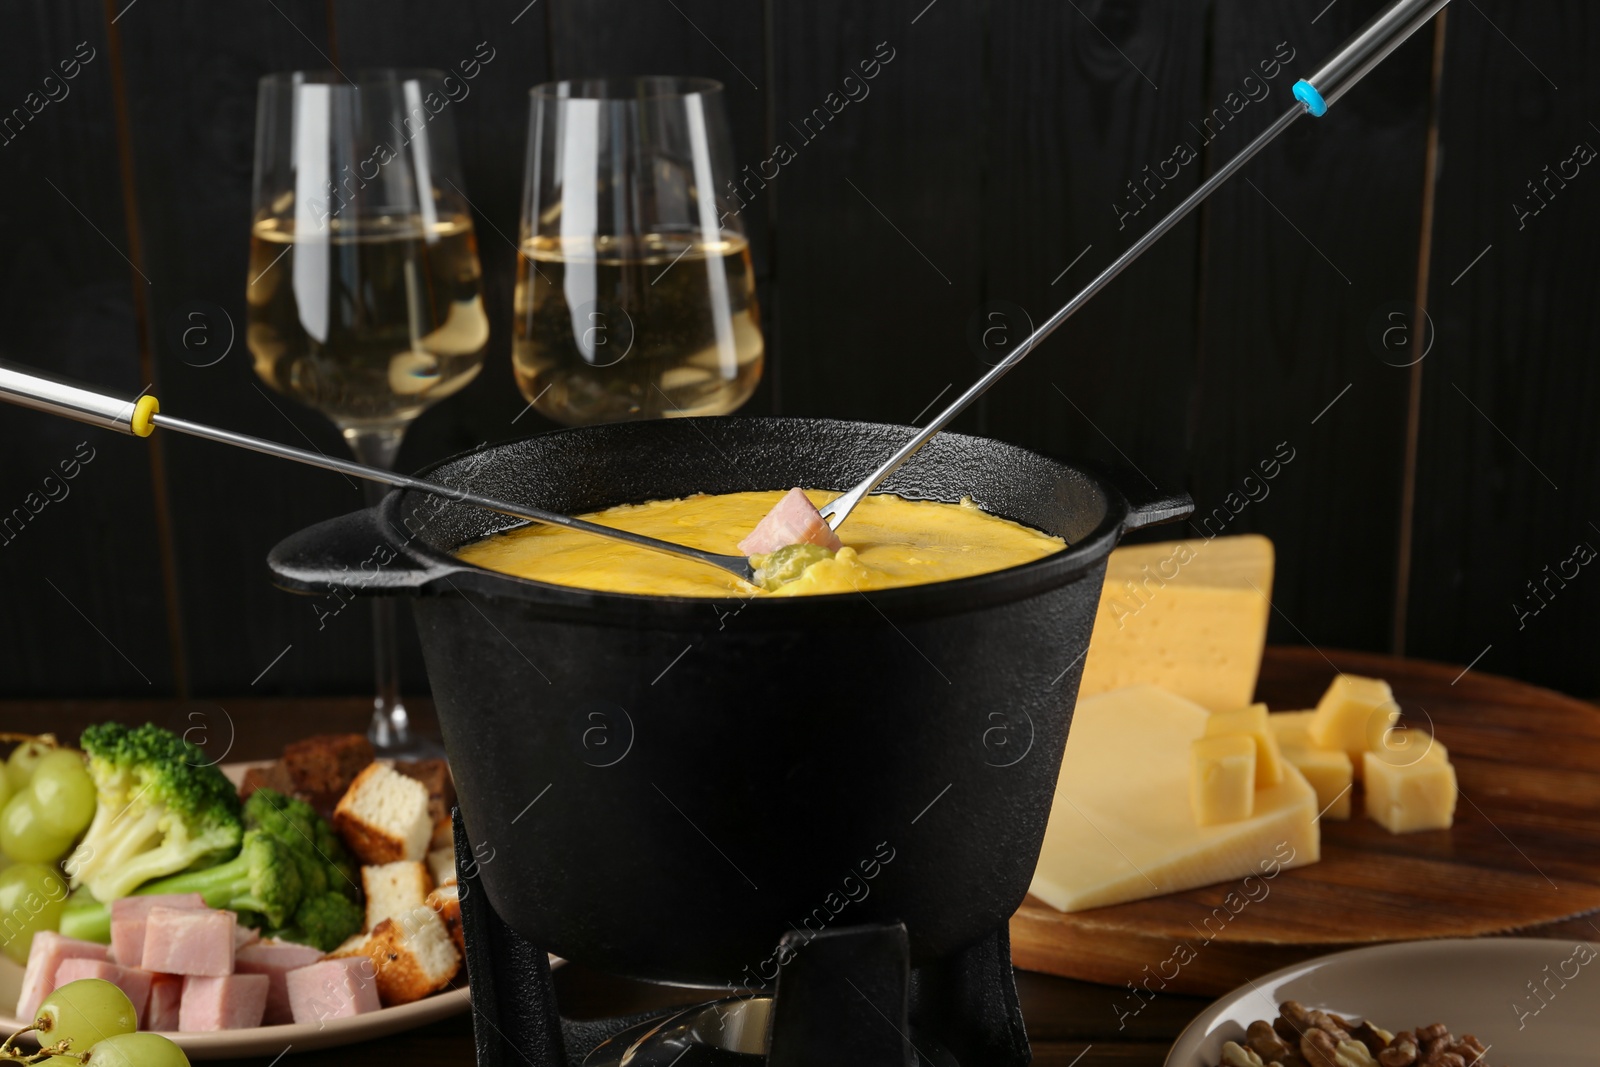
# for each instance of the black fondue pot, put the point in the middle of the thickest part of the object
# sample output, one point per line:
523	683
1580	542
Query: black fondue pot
664	786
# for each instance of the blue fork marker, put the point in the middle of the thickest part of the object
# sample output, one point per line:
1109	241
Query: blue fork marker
1307	94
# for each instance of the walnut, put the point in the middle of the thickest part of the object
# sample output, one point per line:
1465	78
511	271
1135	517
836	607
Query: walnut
1375	1038
1432	1033
1330	1024
1236	1055
1265	1042
1295	1015
1402	1052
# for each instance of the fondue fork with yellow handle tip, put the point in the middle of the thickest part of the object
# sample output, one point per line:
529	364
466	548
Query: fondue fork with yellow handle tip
141	415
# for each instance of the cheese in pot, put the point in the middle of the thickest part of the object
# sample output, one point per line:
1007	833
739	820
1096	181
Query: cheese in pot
888	542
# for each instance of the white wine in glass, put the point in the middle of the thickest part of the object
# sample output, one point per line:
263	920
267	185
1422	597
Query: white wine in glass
635	293
365	296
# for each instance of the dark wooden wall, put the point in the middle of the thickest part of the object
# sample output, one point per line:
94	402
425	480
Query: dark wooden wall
977	177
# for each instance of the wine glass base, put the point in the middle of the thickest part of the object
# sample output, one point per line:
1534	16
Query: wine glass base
411	748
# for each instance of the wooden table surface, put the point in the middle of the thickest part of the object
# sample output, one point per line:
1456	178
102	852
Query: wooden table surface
1069	1022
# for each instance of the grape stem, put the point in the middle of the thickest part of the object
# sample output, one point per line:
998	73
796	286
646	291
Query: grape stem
11	1055
9	737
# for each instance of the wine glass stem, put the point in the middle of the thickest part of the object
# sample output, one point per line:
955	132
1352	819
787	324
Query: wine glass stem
391	726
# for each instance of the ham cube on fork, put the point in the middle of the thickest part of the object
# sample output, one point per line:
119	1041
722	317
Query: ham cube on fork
792	521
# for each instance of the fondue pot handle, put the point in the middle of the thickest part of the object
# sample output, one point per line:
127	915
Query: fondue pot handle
1150	506
353	552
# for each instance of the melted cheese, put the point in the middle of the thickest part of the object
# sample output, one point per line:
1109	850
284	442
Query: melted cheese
888	542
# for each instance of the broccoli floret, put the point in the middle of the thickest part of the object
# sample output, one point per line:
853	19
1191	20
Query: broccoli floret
324	921
160	808
325	866
264	877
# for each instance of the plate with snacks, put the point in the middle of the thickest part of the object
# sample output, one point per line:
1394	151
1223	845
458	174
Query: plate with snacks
1453	1003
237	910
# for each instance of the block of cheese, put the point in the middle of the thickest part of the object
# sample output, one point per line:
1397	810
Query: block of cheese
1222	778
1189	616
1410	789
1330	774
1120	827
1292	728
1353	716
1251	722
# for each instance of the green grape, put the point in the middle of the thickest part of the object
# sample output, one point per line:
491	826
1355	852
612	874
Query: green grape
26	756
64	792
85	1012
5	787
32	897
137	1050
24	834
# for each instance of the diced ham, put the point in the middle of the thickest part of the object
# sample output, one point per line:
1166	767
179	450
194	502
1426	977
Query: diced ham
189	942
166	997
229	1002
275	960
332	989
792	521
44	959
132	982
127	922
242	936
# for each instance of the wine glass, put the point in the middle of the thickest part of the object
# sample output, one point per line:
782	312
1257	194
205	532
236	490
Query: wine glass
635	294
365	297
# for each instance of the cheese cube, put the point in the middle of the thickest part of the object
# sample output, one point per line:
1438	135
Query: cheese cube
1222	778
1121	828
1330	774
1251	722
1292	728
1353	716
1411	791
1189	616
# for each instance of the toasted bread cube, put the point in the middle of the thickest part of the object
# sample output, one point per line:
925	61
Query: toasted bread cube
1330	774
383	816
1222	778
442	865
394	889
1353	716
446	900
1251	722
1411	789
412	955
435	774
322	767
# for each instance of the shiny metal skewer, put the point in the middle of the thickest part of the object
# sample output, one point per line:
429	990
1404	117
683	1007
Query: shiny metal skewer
739	566
138	417
1332	80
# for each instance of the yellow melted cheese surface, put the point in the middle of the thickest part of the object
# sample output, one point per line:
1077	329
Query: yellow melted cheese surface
888	541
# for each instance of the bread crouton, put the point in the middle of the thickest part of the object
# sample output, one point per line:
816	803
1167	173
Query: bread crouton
383	816
322	767
442	865
446	900
394	889
412	956
435	775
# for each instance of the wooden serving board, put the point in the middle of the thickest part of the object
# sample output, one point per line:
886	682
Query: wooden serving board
1523	856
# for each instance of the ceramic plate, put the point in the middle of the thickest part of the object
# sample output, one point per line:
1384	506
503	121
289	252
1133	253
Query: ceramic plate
1532	1001
271	1040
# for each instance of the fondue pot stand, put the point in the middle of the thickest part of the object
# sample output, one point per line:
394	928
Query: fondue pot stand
811	793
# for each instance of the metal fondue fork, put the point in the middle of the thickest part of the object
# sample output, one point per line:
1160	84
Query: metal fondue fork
140	417
1370	45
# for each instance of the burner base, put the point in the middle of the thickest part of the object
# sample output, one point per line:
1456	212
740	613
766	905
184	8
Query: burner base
845	997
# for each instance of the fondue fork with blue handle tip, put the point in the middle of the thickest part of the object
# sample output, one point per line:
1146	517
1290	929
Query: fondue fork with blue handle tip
141	415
